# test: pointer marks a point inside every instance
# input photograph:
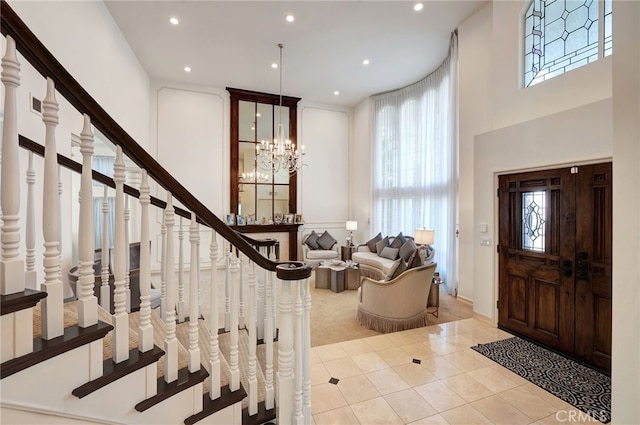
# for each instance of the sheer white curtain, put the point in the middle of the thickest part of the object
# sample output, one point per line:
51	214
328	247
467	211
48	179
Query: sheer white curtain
415	161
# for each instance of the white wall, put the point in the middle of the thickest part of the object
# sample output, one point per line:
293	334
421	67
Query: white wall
360	176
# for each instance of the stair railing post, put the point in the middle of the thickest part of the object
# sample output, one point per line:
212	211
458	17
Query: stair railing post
163	268
227	287
181	303
214	356
87	302
127	257
145	330
31	277
52	311
268	339
234	369
120	316
12	266
260	310
306	353
251	327
284	403
170	342
298	416
105	291
194	349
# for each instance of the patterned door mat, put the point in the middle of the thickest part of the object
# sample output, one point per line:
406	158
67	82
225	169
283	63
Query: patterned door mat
586	389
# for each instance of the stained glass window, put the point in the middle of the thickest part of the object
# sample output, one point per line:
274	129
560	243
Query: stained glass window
561	35
533	220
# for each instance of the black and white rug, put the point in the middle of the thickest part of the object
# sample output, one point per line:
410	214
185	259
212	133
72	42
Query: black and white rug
584	388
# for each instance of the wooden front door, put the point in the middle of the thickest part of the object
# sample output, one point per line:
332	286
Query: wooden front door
555	259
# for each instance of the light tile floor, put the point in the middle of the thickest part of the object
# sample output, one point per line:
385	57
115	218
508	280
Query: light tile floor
379	382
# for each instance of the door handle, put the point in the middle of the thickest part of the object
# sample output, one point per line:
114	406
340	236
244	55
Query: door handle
582	270
567	268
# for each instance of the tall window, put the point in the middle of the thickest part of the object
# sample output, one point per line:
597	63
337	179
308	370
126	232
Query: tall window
415	154
561	35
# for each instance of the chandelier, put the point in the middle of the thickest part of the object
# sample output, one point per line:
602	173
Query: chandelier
280	153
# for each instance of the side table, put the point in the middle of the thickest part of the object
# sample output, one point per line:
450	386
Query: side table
353	276
346	251
434	297
323	277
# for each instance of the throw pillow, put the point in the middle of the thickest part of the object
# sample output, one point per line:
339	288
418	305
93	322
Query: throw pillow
414	260
390	253
371	243
398	241
381	245
393	269
312	240
407	248
402	267
326	241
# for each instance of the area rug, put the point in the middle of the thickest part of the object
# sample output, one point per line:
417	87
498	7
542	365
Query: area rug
578	385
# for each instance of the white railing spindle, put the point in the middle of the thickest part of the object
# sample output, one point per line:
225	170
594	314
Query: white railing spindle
105	293
285	355
260	307
181	303
52	311
87	302
252	334
12	266
306	353
227	287
297	392
127	253
31	278
145	331
268	340
120	317
234	370
214	356
170	342
163	268
194	349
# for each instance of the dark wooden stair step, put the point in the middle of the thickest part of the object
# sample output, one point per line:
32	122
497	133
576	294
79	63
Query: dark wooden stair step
166	390
20	300
261	417
209	407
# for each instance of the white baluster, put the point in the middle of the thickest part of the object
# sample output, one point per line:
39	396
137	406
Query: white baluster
242	290
87	302
194	349
120	317
227	288
285	355
12	266
145	331
268	339
170	342
127	255
60	219
52	312
214	358
105	292
251	327
234	371
31	278
297	392
306	353
181	303
163	269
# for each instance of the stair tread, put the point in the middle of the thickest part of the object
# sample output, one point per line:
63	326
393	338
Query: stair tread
20	300
209	407
168	389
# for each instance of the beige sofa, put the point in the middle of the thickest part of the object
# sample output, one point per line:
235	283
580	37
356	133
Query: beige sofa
398	304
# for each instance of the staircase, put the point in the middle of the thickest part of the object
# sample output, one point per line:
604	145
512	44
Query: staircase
207	354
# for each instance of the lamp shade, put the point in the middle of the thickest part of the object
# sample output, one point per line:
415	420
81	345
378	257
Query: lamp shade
424	236
352	225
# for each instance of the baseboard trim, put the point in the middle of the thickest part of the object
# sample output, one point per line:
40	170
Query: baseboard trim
485	319
32	408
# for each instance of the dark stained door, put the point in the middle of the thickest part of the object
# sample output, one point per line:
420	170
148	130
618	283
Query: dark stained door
555	259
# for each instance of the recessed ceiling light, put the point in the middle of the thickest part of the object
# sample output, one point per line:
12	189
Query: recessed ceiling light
187	69
174	21
418	7
336	92
274	65
290	17
365	62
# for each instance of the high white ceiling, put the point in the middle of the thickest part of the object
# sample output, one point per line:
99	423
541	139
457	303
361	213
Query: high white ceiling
234	43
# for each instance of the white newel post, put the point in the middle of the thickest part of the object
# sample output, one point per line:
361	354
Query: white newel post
163	268
87	302
120	316
145	331
181	303
306	353
105	293
234	369
12	266
170	342
214	358
297	392
251	327
127	250
31	277
285	356
268	340
52	311
194	349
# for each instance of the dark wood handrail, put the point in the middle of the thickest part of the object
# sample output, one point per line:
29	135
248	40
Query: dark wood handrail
48	66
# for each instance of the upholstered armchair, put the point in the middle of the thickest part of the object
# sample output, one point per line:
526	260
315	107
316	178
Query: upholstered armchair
397	304
318	253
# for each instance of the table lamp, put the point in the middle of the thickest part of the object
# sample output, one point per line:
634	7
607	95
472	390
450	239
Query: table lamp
351	226
424	238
